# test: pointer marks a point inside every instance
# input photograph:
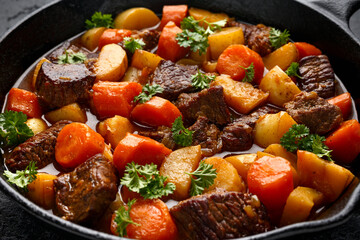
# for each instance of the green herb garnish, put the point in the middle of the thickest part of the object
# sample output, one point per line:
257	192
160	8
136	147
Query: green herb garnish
293	70
22	178
181	135
123	219
69	57
249	73
298	137
132	44
13	129
204	175
146	180
100	20
278	38
195	36
148	91
201	80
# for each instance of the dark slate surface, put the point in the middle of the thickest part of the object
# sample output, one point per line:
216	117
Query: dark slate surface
15	223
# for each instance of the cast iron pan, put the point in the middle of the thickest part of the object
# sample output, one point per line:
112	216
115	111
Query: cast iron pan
322	23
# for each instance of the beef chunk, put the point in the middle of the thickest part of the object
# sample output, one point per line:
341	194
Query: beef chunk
84	194
237	136
315	112
150	38
220	215
39	148
209	103
54	56
206	135
256	37
317	75
58	85
254	116
163	135
173	78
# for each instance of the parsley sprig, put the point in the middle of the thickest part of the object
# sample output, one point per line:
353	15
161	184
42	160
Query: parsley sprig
249	73
293	70
278	38
13	129
201	80
22	178
299	137
70	57
100	20
132	44
181	135
148	91
146	180
194	35
123	219
204	175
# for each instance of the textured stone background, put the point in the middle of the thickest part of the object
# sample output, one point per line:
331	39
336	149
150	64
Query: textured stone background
15	223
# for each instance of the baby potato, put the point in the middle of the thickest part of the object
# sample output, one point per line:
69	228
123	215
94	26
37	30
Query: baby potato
36	125
242	163
282	57
72	112
111	64
90	39
136	19
142	59
41	190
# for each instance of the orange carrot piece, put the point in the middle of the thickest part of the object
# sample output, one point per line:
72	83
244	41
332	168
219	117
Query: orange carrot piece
345	142
175	13
115	98
168	48
76	143
127	195
155	112
21	100
343	101
153	219
271	179
139	149
113	36
306	49
235	58
41	190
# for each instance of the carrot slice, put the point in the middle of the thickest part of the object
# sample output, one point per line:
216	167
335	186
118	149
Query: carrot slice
345	142
306	49
21	100
156	112
235	58
113	36
76	143
343	101
175	13
139	149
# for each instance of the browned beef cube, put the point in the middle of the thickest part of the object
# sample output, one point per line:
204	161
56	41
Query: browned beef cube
58	85
315	112
237	136
209	103
150	38
173	78
84	194
54	56
317	75
162	134
220	215
39	148
254	116
206	135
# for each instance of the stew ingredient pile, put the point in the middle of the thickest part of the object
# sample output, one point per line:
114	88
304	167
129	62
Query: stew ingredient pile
188	126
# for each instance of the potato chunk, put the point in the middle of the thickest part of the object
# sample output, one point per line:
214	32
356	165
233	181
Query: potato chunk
177	164
111	64
91	37
36	125
241	96
227	176
242	163
326	177
114	129
199	14
134	74
282	57
269	128
279	85
142	59
219	41
72	112
299	204
278	150
136	19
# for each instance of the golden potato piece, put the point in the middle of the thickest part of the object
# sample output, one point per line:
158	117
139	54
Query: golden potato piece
36	125
111	64
282	57
177	165
242	163
241	96
72	112
91	37
199	14
279	85
227	176
142	59
136	19
278	150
